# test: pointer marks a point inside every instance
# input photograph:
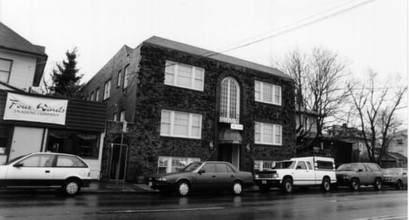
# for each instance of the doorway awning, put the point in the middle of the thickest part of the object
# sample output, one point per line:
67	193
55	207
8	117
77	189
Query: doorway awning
230	136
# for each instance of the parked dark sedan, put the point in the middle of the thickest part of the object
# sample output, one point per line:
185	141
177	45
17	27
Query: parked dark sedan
209	175
356	174
396	177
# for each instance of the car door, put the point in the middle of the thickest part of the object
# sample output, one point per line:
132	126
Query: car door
67	166
206	179
35	170
224	176
364	174
302	174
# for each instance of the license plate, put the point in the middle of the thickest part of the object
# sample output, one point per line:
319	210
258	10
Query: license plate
264	182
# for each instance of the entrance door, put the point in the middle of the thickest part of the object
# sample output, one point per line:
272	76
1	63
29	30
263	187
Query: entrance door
117	165
22	145
230	153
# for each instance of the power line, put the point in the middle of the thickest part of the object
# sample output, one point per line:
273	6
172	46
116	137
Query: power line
298	24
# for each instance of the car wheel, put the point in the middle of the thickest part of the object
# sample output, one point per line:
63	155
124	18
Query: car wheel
287	185
237	188
378	184
71	187
399	185
355	184
183	188
326	185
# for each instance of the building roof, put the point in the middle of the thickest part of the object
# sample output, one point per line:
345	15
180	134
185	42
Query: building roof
10	40
213	55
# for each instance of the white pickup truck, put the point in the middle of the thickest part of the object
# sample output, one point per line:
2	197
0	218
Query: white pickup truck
299	171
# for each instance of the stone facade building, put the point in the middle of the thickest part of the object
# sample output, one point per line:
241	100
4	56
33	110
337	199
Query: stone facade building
183	103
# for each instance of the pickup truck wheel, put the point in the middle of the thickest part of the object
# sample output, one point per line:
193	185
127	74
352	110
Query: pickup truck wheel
399	185
287	185
378	184
355	184
326	185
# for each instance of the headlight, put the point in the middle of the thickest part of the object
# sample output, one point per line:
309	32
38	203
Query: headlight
161	179
256	176
275	175
345	177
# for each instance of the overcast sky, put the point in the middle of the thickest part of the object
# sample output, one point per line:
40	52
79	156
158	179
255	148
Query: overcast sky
368	33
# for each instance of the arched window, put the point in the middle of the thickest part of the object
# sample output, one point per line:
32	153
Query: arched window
229	101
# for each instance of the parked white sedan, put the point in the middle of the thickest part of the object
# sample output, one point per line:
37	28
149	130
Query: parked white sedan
46	169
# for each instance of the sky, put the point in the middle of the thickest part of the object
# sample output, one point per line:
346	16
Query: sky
368	34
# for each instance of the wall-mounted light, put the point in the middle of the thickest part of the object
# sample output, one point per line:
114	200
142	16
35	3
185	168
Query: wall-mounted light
248	148
211	146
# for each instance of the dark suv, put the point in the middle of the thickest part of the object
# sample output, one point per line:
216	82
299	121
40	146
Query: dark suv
356	174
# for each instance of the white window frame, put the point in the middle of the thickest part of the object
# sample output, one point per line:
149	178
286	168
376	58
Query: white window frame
122	116
107	89
97	91
169	165
6	71
196	78
277	133
126	76
227	117
92	96
276	93
119	82
171	124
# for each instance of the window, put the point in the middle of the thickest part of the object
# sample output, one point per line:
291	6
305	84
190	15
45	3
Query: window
92	96
183	75
301	165
114	117
267	93
97	95
5	70
266	133
122	116
181	124
229	101
69	161
81	143
107	89
325	165
126	77
5	137
174	164
119	78
38	161
209	168
263	164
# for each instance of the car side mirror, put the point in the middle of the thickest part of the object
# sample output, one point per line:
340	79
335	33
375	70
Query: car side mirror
202	171
298	168
360	170
18	165
404	174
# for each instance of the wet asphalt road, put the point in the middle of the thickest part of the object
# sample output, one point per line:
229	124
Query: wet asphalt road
312	204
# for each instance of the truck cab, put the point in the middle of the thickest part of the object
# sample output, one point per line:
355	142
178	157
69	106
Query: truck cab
298	171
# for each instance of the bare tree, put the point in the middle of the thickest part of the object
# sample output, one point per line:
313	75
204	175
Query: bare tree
376	109
318	78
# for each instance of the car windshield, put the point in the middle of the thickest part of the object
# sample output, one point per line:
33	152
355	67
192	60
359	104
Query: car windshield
285	165
347	167
15	159
191	167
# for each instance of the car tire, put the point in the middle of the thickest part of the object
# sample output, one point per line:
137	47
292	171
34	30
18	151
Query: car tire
183	188
237	188
378	184
326	185
399	185
287	186
355	184
71	187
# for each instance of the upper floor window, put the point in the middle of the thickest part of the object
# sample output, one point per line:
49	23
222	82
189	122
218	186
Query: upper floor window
181	124
92	96
266	133
97	93
119	78
183	75
5	70
267	93
107	89
229	101
122	116
126	77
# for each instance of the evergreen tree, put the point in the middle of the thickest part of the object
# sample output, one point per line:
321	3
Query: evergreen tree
66	81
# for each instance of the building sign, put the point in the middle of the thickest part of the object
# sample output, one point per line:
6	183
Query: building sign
236	127
35	109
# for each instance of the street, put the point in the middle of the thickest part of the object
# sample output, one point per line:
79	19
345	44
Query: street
302	204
